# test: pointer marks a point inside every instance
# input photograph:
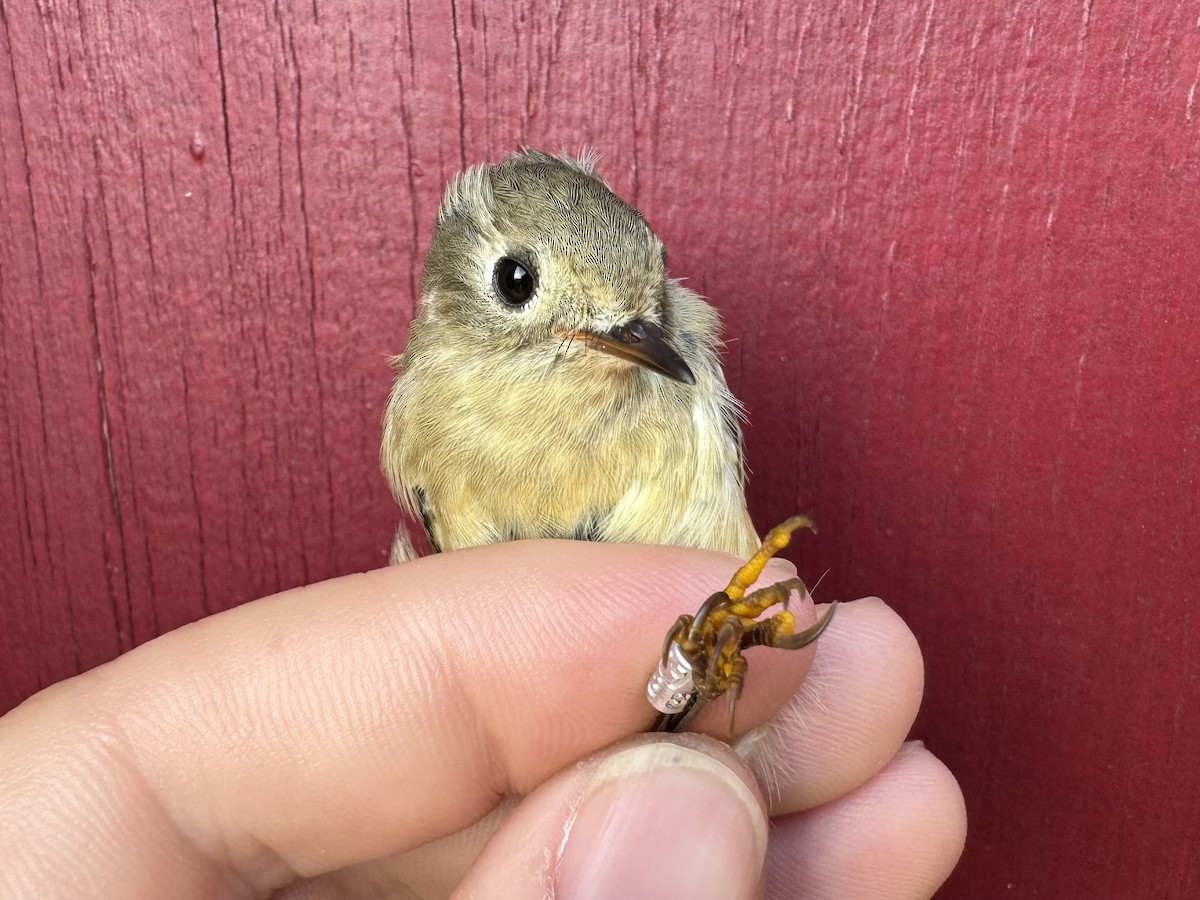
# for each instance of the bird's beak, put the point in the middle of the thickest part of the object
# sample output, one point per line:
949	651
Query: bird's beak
643	343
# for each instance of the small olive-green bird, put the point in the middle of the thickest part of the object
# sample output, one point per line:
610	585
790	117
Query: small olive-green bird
556	382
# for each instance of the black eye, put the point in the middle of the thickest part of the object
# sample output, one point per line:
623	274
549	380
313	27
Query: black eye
514	282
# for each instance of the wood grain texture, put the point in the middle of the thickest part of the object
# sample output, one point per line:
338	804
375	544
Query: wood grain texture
954	246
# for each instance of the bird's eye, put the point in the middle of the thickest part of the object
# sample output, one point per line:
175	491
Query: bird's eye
514	282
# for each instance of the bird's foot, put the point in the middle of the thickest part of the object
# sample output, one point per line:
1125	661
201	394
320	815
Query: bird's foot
702	654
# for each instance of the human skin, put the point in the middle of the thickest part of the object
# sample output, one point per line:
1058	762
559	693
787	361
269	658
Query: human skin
473	722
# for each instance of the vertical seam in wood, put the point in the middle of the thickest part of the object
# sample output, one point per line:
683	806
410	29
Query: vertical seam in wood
187	421
312	288
910	110
1069	124
124	634
41	284
146	221
12	68
298	134
635	49
458	71
406	127
224	106
849	123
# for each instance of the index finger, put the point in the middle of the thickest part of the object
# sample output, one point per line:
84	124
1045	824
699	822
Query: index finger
366	715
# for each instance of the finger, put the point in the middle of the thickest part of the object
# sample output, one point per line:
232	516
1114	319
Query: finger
370	714
897	837
850	716
665	816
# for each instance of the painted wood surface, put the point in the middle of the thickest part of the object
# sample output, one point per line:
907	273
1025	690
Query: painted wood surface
955	246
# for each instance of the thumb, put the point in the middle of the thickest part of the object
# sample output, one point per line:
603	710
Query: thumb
658	816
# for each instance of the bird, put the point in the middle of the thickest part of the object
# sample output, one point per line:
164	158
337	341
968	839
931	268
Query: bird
556	381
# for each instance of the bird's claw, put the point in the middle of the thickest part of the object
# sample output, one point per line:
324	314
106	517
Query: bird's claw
702	654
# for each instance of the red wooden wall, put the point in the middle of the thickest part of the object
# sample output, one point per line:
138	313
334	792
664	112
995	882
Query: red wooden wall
956	246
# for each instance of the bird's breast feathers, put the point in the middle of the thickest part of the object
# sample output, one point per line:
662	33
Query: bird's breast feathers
646	461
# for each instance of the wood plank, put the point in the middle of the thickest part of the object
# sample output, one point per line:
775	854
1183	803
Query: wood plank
954	247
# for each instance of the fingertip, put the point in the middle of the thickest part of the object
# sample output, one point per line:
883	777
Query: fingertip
849	717
898	836
931	779
661	815
628	839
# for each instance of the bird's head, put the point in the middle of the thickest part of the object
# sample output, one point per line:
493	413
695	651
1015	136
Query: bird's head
535	255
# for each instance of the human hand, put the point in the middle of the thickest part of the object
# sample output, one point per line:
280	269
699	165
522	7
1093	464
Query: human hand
419	729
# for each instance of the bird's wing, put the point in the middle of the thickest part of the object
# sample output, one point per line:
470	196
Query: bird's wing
402	547
421	501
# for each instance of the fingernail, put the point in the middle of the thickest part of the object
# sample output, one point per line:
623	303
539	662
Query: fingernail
661	820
